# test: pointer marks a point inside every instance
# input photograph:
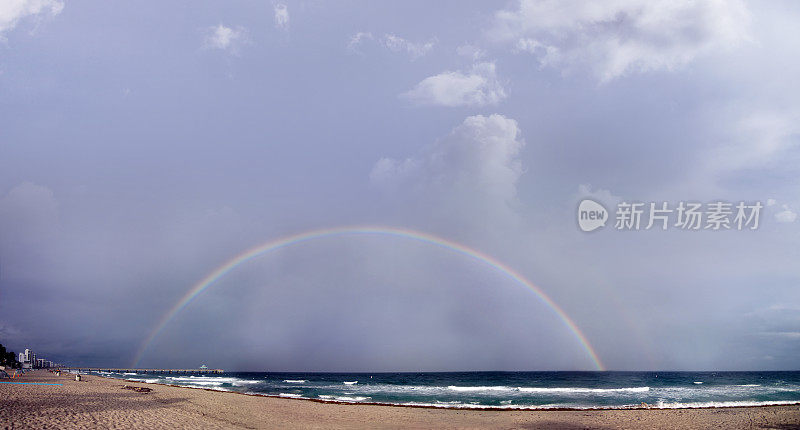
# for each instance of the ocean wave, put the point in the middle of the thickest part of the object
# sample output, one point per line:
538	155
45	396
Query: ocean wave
290	395
506	405
583	390
480	388
723	404
148	381
343	398
549	389
209	381
352	398
200	383
698	382
470	405
219	389
350	382
242	382
295	381
195	379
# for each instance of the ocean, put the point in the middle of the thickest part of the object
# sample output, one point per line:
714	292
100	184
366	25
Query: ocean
508	390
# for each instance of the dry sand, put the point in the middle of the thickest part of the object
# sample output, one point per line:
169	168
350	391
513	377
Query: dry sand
102	403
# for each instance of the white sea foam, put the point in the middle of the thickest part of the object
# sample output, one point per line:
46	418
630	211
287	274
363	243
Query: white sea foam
201	383
343	398
242	382
471	405
219	389
583	390
351	398
291	395
149	381
729	404
350	382
549	389
129	373
201	379
209	381
482	388
698	382
295	381
662	405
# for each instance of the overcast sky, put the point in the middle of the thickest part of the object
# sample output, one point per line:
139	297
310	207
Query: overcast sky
143	144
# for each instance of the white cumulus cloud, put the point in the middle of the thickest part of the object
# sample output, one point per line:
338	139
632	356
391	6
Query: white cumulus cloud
225	38
759	139
480	157
281	16
391	42
786	215
464	183
477	87
12	11
357	39
414	50
620	37
471	51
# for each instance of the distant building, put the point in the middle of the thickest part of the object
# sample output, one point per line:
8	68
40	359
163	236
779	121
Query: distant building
29	360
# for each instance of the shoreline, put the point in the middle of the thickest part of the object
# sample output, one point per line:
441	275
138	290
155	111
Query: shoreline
457	408
103	402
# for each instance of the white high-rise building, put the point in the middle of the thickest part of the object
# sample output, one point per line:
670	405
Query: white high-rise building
21	357
26	359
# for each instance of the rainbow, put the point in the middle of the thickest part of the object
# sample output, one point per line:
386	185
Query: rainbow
283	242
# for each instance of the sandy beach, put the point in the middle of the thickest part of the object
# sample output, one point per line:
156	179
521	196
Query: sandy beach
97	402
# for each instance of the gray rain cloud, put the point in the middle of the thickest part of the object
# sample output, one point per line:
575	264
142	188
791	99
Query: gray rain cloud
136	160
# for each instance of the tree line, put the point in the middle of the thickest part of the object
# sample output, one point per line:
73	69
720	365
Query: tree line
9	358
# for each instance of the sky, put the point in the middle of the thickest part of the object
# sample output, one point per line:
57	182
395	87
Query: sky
143	145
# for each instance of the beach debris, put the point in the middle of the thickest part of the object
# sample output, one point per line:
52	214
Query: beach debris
78	378
137	389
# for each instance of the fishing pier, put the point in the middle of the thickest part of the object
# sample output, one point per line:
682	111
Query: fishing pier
151	371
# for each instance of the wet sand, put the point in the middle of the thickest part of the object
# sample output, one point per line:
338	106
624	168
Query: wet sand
99	402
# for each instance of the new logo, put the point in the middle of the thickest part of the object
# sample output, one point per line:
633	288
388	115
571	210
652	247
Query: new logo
591	215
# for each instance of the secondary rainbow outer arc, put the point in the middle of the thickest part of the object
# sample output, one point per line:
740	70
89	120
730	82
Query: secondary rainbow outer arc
391	231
